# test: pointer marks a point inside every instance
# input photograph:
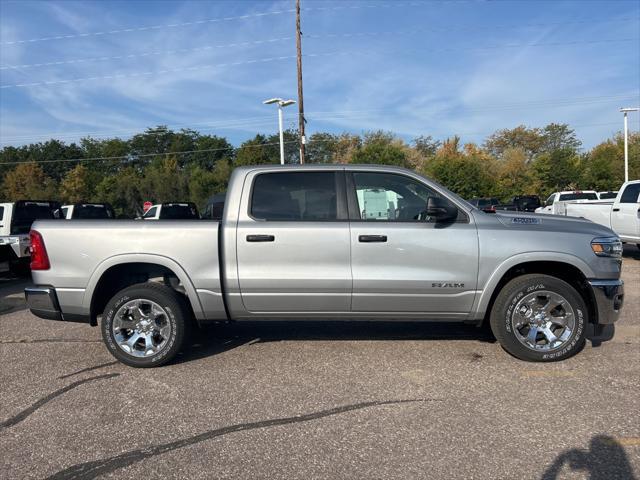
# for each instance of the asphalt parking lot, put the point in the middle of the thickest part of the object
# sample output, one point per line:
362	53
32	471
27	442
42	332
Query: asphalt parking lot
317	400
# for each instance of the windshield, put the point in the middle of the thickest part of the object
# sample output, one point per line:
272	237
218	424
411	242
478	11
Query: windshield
578	196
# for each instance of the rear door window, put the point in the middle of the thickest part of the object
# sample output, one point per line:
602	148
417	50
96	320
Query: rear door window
295	196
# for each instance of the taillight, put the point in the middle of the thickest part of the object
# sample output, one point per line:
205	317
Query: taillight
39	257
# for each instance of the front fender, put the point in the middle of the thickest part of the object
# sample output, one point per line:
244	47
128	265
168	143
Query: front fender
482	300
143	258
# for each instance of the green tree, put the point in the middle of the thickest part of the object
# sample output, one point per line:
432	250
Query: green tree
27	181
77	185
164	181
529	140
469	173
381	148
205	183
556	170
123	192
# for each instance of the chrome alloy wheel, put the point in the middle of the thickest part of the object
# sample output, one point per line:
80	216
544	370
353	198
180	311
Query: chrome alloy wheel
543	320
141	328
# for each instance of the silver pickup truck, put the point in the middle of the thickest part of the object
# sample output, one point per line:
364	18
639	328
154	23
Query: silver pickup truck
348	242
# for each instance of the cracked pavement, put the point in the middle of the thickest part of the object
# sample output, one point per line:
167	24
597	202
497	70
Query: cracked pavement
317	400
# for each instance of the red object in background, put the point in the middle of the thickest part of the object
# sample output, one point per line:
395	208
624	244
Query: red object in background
146	206
39	257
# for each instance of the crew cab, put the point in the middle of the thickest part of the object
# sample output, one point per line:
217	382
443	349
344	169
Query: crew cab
303	242
15	222
86	211
622	215
555	203
172	211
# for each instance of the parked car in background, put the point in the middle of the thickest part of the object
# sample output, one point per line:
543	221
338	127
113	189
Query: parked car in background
607	195
172	211
305	242
622	215
486	204
555	203
521	203
15	222
87	211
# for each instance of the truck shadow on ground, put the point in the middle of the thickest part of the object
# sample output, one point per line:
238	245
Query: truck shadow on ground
605	459
212	340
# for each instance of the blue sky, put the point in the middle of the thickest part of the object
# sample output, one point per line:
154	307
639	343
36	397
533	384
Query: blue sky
412	67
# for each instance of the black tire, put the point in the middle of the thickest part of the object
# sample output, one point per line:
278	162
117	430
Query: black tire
509	333
176	315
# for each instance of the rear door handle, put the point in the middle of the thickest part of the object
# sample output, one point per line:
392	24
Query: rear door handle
372	238
616	209
260	238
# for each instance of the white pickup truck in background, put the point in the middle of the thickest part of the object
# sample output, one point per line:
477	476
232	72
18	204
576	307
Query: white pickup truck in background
622	215
15	222
555	203
86	211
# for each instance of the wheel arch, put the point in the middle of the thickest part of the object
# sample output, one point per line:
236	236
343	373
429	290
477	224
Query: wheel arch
570	269
121	271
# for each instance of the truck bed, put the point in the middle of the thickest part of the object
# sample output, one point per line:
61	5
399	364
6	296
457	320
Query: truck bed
82	251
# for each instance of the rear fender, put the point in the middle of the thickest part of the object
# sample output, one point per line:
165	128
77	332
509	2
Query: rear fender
143	258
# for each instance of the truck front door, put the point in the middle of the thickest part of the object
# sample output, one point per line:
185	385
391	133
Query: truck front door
402	262
293	251
624	214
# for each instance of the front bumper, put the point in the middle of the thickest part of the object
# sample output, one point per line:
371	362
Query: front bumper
609	296
43	302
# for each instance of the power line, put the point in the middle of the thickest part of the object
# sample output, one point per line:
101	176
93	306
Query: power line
145	54
134	157
262	60
209	20
145	28
315	36
330	114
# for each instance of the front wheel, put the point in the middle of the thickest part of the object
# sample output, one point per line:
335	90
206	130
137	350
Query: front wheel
539	318
145	325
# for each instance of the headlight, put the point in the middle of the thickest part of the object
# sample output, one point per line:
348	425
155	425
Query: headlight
607	247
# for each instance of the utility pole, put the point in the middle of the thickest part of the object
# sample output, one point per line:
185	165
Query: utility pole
301	120
626	141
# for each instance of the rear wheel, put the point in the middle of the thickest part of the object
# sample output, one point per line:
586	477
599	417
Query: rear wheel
145	325
539	318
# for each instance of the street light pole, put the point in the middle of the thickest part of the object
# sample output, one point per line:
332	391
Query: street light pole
280	129
281	104
626	140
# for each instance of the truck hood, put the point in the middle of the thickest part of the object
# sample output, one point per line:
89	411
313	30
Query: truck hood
554	223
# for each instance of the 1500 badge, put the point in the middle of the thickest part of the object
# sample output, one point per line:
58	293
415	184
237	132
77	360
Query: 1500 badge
526	221
447	285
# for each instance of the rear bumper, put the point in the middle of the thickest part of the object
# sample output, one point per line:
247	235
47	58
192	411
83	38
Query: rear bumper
43	302
609	296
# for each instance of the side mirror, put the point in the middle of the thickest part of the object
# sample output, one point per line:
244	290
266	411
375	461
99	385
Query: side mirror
441	210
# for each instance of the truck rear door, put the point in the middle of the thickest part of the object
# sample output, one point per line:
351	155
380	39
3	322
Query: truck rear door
401	262
624	214
293	251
